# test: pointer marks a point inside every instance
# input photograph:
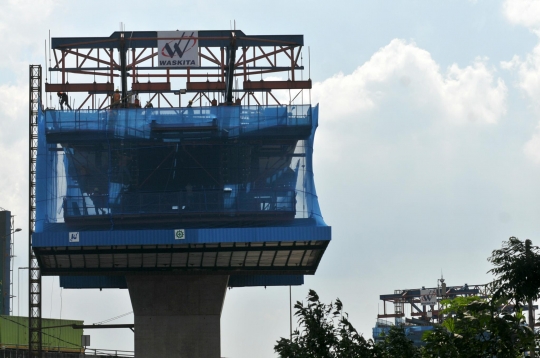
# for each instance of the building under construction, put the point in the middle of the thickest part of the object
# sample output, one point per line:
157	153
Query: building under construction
418	310
177	164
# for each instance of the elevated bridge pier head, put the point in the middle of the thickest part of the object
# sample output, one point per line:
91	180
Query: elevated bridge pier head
177	315
174	203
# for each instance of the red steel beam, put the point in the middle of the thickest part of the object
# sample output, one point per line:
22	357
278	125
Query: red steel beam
260	85
205	86
152	86
79	87
87	56
255	58
214	56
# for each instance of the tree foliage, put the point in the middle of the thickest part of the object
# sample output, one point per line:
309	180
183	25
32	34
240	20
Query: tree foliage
472	327
480	328
517	271
326	333
396	344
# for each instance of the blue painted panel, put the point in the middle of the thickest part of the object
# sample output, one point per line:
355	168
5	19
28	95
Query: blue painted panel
83	282
93	282
192	236
265	280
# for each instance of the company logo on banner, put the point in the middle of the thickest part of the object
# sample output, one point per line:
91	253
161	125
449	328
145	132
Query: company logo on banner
428	297
73	237
179	234
178	49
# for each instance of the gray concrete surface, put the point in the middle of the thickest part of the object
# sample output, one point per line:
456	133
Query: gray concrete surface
177	315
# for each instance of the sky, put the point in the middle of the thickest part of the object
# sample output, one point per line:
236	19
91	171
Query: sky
426	158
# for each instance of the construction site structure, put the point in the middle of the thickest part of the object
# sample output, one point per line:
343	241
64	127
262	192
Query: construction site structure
7	233
174	202
418	310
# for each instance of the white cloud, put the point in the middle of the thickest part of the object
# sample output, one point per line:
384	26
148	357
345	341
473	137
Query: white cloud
532	147
523	12
405	71
528	70
13	147
528	80
20	21
526	13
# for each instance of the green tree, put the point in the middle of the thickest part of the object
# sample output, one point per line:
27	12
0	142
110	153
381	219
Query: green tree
473	327
517	271
396	345
480	328
325	332
440	343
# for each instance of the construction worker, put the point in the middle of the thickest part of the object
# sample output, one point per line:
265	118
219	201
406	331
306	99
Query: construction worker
190	103
136	102
63	99
148	105
116	99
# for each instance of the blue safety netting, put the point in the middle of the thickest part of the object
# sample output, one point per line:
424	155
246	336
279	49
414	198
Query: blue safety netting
230	122
236	164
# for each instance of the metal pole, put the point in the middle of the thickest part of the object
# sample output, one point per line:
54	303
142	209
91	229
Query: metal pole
123	69
290	313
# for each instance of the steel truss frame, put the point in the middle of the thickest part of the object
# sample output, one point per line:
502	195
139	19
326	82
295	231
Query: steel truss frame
225	58
412	297
34	273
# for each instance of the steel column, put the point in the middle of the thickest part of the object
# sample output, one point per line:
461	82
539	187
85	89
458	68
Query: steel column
34	274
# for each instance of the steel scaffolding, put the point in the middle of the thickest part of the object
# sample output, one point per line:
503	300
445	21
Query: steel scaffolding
34	274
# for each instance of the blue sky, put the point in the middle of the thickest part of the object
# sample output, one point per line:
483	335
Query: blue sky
427	155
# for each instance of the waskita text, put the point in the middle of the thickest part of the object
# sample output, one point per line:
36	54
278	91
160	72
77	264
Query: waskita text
177	63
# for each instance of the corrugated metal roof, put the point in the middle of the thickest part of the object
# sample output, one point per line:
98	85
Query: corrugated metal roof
298	257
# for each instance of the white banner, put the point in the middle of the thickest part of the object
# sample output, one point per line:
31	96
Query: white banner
428	297
178	49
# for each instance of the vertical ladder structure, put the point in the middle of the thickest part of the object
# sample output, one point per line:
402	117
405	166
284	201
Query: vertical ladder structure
34	274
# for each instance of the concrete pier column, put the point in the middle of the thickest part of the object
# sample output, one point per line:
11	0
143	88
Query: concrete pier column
177	315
